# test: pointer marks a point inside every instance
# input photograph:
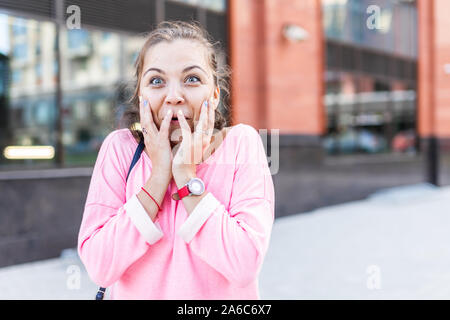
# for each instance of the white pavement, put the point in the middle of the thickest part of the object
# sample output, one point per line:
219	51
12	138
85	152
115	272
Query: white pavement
393	245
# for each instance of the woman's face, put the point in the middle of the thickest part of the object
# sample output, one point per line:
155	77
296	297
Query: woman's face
176	76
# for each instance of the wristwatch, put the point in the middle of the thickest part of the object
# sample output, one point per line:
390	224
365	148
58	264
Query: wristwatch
194	187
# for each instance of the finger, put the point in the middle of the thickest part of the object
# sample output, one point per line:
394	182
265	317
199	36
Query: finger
199	128
201	134
210	126
211	116
146	117
149	116
164	128
186	130
141	111
185	154
201	125
142	117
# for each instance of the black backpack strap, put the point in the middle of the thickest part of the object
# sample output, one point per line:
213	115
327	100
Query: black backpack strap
137	155
100	293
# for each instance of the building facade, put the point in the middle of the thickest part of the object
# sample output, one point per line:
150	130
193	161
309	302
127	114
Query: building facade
350	96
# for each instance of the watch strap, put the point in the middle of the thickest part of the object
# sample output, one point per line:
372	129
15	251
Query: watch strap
183	192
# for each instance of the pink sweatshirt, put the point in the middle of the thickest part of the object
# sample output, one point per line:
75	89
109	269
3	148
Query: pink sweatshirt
214	253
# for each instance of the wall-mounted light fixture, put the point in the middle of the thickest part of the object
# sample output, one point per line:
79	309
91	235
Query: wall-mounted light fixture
29	152
295	33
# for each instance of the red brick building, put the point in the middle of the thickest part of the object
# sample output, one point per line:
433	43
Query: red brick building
277	83
281	83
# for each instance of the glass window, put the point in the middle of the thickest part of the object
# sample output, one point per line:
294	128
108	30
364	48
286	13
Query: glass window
16	76
27	99
20	51
77	38
43	112
89	98
19	27
368	114
370	76
90	89
379	24
107	63
97	67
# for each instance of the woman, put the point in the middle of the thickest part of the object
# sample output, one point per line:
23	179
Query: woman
194	218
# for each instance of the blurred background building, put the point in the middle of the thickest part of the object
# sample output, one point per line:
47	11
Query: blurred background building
357	88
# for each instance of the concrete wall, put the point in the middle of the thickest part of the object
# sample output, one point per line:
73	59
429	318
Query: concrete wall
39	216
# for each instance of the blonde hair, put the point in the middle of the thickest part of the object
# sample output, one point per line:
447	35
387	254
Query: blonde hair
170	31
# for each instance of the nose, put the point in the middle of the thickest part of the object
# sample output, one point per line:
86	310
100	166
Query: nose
174	95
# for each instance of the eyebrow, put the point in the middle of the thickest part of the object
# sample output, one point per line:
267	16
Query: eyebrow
184	70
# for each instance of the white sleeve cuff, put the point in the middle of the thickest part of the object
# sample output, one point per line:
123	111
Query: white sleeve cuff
198	217
149	230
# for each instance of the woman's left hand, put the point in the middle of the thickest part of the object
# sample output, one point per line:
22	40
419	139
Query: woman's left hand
190	150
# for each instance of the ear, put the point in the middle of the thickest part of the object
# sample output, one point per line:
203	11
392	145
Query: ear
216	97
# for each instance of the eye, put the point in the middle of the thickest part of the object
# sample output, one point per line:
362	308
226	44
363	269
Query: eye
154	78
193	77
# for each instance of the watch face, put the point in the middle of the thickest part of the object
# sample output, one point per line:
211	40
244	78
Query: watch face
196	186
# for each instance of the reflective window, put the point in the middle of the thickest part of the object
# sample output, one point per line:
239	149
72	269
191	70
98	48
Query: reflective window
94	64
386	25
27	100
97	67
94	71
370	77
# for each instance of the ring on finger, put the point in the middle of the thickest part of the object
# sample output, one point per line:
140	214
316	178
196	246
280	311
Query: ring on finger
144	130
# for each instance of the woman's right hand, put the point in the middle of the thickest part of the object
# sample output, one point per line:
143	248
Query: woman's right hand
157	144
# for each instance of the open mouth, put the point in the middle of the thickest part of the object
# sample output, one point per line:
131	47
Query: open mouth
175	119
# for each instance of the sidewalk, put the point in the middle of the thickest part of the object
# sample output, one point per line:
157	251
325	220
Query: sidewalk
393	245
